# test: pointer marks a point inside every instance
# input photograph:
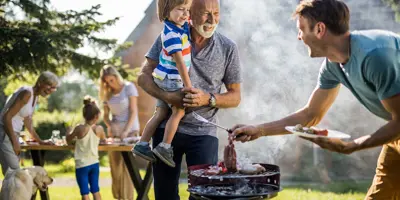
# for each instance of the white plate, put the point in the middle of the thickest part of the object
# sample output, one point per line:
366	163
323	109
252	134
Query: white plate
331	134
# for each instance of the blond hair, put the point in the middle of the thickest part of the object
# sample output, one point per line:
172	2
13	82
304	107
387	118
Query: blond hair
47	77
105	91
164	7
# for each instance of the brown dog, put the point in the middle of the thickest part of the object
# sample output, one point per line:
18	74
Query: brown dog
20	184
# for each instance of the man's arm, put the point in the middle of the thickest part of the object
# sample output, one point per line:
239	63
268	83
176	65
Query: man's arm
231	98
145	81
317	106
195	97
387	133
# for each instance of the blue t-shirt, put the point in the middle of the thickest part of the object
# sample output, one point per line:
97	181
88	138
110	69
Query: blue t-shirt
372	73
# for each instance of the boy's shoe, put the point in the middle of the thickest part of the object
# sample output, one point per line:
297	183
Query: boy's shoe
144	151
164	154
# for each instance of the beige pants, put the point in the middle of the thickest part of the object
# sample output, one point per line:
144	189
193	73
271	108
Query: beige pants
122	187
386	183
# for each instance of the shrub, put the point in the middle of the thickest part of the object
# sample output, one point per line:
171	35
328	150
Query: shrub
68	165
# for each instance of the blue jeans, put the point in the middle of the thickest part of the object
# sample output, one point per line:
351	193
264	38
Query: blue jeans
198	150
169	85
86	176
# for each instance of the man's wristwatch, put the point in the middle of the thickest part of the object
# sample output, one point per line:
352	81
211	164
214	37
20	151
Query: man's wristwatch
212	102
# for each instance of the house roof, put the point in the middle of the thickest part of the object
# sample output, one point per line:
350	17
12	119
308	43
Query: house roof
141	27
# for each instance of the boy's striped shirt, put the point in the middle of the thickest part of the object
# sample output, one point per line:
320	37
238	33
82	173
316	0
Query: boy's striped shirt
174	39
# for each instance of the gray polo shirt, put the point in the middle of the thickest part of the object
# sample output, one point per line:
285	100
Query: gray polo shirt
213	66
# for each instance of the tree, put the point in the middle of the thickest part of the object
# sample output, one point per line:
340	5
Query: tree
395	5
46	39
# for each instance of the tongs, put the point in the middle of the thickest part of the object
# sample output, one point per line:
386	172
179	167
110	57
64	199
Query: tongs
200	118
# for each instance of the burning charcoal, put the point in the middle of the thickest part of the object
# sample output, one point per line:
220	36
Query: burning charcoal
230	156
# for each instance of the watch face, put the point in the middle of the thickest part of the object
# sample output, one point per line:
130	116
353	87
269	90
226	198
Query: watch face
212	100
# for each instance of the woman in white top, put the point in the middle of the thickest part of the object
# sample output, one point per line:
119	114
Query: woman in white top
86	154
17	112
120	100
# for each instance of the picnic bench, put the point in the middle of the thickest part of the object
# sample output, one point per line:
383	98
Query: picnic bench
142	186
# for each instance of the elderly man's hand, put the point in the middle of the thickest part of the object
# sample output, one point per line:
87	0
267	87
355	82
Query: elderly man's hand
335	145
195	97
245	133
175	98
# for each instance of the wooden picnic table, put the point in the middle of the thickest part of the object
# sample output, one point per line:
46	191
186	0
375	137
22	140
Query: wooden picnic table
142	186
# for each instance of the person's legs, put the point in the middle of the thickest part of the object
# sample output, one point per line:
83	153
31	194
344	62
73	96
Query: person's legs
142	148
160	114
387	177
94	173
166	178
81	175
201	150
172	124
8	158
163	151
122	186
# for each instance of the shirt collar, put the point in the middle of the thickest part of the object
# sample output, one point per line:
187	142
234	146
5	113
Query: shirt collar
184	29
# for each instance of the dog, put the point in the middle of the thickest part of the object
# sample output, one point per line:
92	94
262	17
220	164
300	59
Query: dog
21	184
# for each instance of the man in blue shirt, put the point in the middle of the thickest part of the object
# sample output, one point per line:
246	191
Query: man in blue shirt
368	64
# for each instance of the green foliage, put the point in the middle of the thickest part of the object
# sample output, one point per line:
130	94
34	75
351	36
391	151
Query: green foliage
67	165
14	83
46	39
103	159
395	5
45	123
69	96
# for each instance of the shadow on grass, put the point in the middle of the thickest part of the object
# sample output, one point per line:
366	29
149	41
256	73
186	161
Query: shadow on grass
339	187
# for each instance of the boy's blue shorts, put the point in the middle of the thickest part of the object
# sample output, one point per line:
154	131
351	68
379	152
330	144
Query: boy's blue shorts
86	176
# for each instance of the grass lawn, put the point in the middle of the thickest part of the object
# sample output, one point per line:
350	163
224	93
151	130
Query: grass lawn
286	194
346	190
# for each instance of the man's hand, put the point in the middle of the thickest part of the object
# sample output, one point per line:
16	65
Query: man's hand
245	133
17	148
335	145
175	99
195	97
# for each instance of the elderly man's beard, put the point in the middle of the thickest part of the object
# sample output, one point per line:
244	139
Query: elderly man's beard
206	34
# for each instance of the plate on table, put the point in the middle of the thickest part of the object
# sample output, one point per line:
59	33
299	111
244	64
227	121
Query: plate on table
303	133
32	142
110	143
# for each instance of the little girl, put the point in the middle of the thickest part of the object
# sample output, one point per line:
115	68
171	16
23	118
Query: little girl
86	156
171	74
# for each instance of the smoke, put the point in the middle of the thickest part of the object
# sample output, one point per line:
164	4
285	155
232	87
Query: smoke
278	78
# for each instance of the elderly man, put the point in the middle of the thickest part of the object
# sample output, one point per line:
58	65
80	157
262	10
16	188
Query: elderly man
366	62
215	62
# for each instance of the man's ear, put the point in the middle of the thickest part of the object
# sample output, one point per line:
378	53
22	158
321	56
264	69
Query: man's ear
320	29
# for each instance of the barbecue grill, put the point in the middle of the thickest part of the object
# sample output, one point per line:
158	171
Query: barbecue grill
234	185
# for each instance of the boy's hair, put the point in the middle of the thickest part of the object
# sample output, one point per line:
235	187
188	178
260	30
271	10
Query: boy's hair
333	13
164	7
90	109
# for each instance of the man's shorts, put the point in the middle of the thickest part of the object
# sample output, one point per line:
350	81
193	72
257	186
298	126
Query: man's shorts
169	85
